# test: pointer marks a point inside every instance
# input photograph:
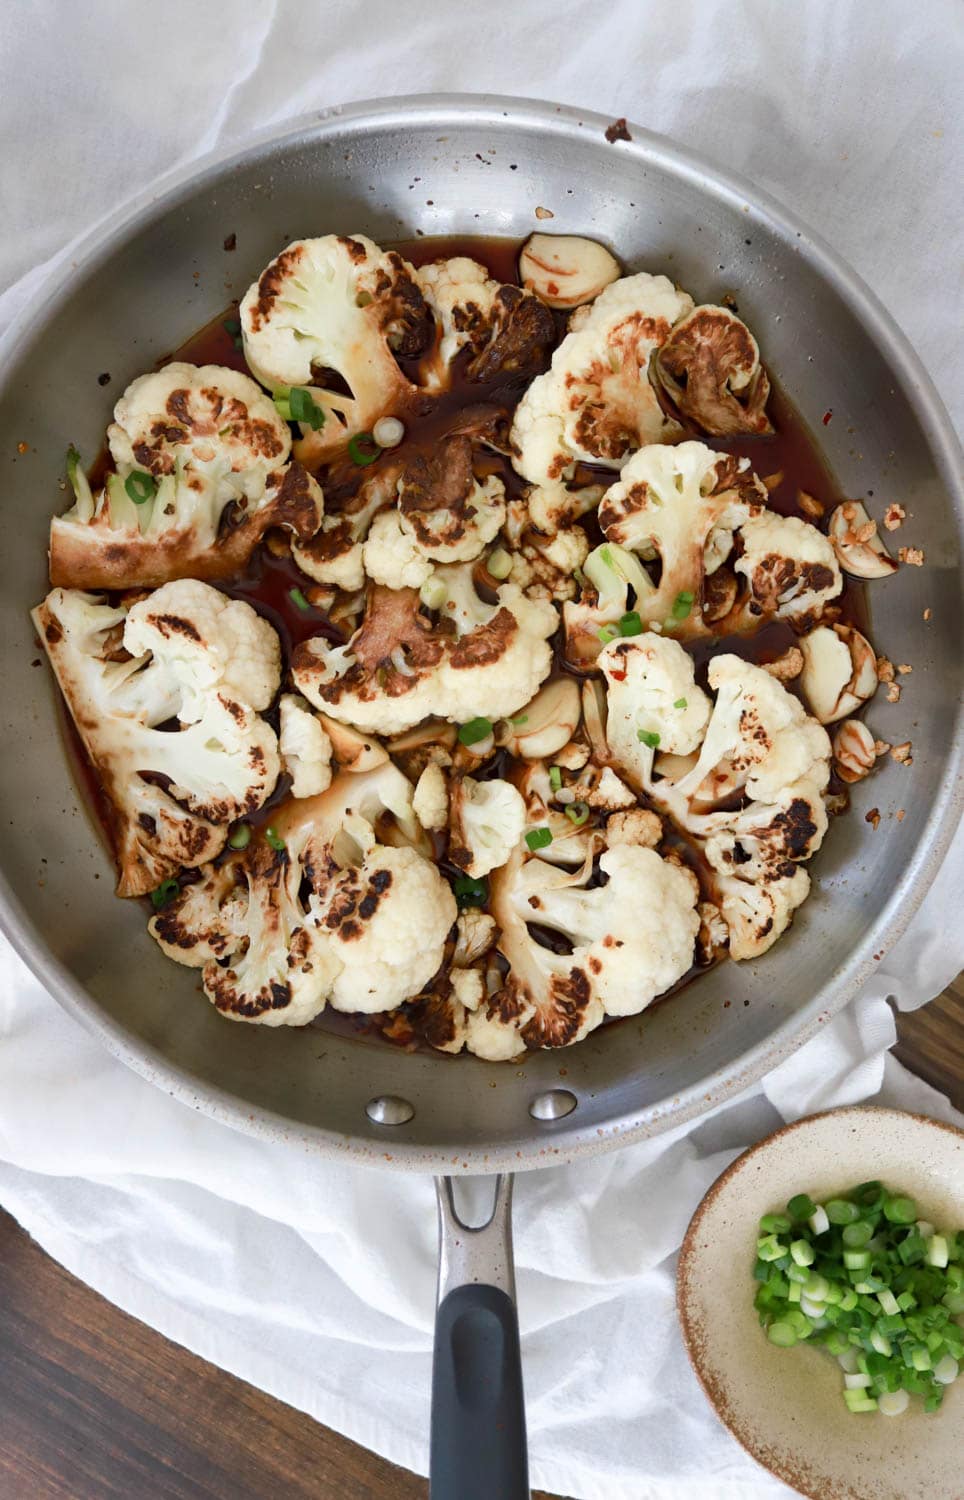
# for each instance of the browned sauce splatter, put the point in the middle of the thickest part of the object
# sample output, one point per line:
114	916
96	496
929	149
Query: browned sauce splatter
267	585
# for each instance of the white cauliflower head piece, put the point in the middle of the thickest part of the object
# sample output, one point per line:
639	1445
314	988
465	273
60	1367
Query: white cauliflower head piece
334	312
320	913
710	371
305	747
597	402
200	472
500	332
488	819
401	666
187	653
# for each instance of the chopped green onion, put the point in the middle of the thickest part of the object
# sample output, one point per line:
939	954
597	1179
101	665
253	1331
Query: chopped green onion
475	730
363	450
774	1224
900	1210
241	837
680	703
538	838
818	1220
231	326
841	1211
855	1236
648	737
433	592
304	408
608	633
469	891
555	777
519	719
577	812
298	599
803	1253
801	1207
499	564
782	1334
869	1195
682	604
165	893
274	839
936	1251
630	623
140	486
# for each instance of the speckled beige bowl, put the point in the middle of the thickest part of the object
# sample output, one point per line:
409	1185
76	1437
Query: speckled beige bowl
785	1406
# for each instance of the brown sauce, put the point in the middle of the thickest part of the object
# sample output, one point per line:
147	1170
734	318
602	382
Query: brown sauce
791	453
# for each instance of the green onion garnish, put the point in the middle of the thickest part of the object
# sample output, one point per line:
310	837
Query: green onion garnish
241	837
865	1278
538	838
680	703
469	891
274	839
631	624
608	633
648	737
520	719
304	408
231	326
474	731
165	893
555	777
577	812
298	599
140	486
363	450
682	604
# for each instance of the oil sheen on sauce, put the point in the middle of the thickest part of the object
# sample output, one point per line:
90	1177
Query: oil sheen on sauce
789	460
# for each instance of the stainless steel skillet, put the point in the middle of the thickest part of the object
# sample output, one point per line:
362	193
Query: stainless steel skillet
158	270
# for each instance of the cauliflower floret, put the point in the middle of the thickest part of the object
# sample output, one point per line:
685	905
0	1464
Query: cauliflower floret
653	701
431	800
450	515
186	443
710	370
336	304
305	747
758	744
487	821
173	795
206	642
544	566
321	913
631	939
506	332
790	567
609	793
478	660
391	555
638	826
597	401
475	935
335	556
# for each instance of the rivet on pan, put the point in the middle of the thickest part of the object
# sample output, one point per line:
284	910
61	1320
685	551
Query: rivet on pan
389	1109
553	1104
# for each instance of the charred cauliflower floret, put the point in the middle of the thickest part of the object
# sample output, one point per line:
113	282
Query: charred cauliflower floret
184	653
629	939
501	332
743	777
200	472
331	315
335	556
686	507
305	747
320	913
471	659
597	402
709	369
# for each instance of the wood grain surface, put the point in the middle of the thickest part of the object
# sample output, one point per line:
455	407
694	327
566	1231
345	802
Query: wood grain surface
95	1406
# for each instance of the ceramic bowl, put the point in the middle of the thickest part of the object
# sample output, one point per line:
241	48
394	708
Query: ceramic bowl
785	1406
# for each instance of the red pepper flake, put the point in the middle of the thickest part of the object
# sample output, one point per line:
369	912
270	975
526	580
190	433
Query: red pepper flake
618	131
23	448
873	817
825	419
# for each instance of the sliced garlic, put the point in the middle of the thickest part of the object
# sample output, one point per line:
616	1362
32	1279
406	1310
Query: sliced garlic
353	751
545	724
565	270
853	750
839	671
856	543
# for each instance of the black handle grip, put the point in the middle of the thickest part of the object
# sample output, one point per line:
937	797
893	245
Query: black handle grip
478	1410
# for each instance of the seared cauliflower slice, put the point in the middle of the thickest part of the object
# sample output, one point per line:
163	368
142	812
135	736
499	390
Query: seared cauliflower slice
332	313
185	652
631	939
596	402
506	332
206	454
743	777
709	369
335	556
687	506
402	665
320	914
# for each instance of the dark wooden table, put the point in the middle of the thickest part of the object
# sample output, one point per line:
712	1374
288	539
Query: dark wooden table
94	1406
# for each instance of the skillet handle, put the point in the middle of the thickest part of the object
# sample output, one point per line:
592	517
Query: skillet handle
478	1449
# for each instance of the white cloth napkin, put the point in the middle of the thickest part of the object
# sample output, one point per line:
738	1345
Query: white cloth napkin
851	115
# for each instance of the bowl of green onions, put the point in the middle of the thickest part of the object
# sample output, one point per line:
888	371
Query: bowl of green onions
821	1297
